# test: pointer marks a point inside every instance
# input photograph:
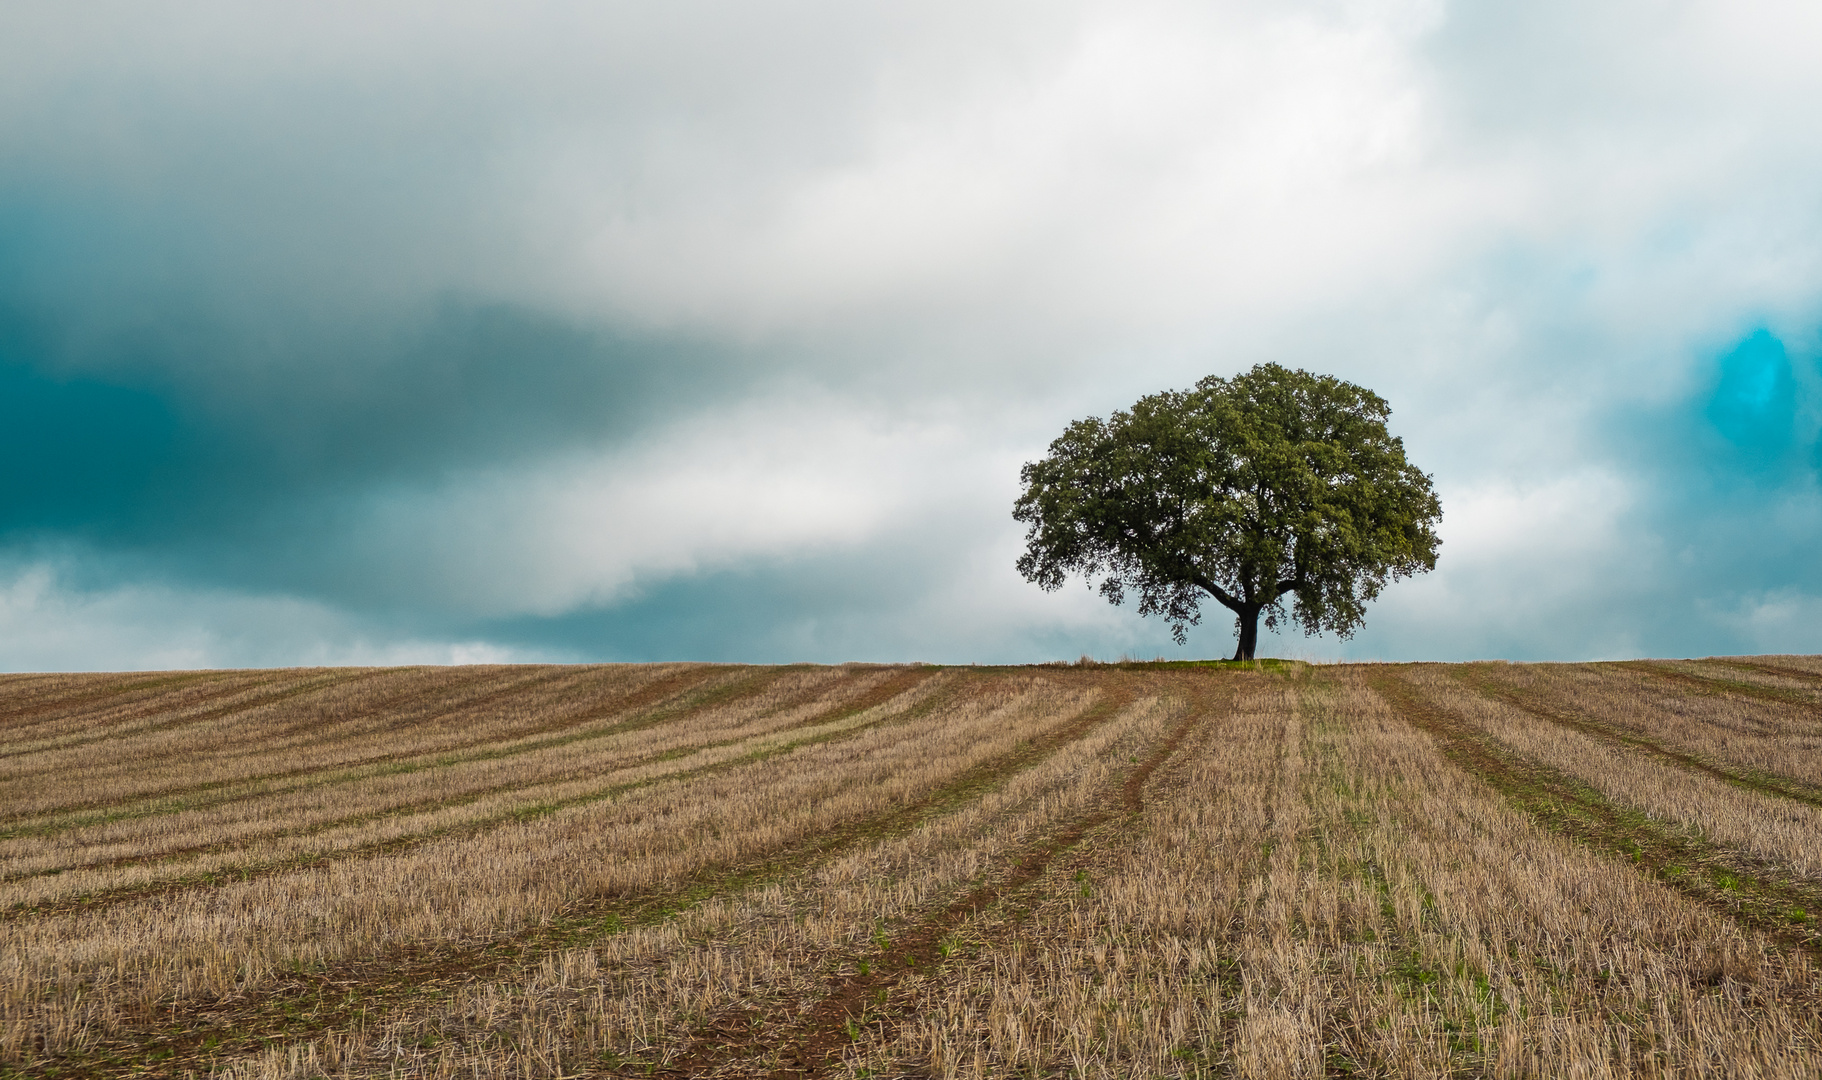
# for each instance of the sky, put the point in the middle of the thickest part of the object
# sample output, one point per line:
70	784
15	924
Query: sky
351	333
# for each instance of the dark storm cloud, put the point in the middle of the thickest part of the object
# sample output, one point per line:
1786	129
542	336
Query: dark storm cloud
151	454
75	453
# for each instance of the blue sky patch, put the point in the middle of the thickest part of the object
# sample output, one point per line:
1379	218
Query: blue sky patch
1754	404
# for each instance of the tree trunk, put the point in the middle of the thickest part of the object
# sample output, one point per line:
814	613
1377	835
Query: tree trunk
1249	632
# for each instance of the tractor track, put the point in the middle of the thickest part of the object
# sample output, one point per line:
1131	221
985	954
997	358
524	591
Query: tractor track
813	1040
1734	886
361	992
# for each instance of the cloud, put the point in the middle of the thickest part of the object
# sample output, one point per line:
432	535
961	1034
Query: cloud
113	441
796	476
702	330
1548	570
1782	621
47	623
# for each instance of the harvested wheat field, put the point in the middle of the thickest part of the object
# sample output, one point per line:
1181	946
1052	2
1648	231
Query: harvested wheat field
698	870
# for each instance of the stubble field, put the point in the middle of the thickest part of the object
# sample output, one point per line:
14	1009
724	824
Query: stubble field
698	870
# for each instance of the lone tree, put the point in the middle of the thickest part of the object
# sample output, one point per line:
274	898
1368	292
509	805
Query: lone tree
1272	484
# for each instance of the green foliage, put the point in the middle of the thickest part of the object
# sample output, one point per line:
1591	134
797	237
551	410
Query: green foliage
1273	485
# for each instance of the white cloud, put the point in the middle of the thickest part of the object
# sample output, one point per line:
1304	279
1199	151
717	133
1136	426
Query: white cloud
788	476
1778	621
1156	169
47	623
1544	570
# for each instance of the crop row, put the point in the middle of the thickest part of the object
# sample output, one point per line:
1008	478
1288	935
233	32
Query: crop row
1499	870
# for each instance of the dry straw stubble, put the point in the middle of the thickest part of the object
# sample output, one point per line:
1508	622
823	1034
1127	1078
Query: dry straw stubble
682	869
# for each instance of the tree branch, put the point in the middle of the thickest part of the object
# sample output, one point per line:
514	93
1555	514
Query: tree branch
1227	599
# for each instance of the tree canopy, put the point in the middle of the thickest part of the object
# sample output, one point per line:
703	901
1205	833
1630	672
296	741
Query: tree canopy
1269	486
